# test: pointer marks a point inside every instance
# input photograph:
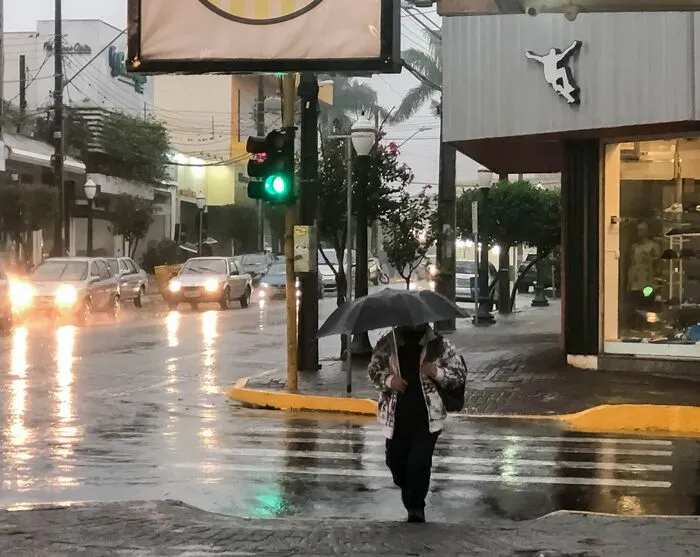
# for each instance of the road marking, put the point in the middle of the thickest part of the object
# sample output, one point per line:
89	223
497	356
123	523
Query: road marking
373	443
469	478
378	432
377	457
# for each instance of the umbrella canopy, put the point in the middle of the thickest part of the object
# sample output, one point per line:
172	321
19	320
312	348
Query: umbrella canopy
390	308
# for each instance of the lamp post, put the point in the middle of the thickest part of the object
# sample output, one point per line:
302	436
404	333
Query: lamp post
483	315
201	204
90	189
363	135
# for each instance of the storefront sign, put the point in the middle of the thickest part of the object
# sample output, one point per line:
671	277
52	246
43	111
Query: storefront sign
76	48
117	68
557	72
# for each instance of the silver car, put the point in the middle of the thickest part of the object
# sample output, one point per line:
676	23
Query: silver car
204	280
133	281
72	288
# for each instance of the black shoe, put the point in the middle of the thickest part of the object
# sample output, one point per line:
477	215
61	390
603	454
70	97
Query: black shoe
416	516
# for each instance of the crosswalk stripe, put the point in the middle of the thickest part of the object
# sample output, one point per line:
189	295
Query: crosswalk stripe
377	457
379	443
473	478
378	432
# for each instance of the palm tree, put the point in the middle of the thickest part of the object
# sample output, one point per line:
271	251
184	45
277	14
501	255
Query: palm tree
350	97
429	64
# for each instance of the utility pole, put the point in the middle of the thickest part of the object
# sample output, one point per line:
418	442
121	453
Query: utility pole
447	222
2	79
260	123
62	227
289	97
308	308
22	91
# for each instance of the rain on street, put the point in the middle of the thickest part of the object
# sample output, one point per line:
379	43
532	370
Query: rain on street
137	410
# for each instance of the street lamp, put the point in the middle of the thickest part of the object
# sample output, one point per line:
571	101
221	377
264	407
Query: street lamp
201	204
363	135
90	189
483	315
414	134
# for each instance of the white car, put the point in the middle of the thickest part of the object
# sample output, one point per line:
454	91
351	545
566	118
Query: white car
204	280
133	280
465	273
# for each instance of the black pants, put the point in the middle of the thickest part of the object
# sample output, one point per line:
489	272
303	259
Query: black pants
410	459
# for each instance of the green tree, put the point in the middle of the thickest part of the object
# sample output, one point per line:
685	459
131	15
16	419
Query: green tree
76	132
25	208
235	222
132	217
350	97
387	180
409	232
429	64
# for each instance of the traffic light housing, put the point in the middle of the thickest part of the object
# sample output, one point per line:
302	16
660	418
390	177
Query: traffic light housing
271	170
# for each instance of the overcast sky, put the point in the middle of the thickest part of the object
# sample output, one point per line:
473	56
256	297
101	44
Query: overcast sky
421	152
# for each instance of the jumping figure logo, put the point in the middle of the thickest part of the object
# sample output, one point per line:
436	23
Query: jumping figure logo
260	12
557	72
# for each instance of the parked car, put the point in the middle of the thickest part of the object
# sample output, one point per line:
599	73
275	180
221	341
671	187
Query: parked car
530	278
325	272
68	288
133	280
256	264
5	302
274	283
465	281
204	280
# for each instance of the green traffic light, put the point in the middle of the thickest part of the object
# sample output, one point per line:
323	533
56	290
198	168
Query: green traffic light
276	185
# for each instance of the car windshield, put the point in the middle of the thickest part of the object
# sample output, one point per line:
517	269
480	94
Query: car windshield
60	270
465	268
330	255
277	269
113	266
254	259
204	267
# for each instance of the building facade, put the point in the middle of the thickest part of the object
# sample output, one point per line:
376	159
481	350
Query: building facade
612	101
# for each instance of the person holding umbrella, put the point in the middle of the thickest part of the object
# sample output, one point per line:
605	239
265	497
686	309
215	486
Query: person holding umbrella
420	375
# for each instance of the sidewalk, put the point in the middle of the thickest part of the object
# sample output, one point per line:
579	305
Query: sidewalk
168	528
516	367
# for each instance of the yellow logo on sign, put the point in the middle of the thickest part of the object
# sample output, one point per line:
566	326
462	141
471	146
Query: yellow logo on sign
260	12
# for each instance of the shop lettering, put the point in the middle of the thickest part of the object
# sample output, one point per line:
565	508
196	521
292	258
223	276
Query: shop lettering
76	48
117	67
558	73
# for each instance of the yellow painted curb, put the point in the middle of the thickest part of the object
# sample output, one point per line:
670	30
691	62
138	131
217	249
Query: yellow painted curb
239	392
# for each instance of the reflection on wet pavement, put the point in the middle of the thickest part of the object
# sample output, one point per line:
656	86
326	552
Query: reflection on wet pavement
137	412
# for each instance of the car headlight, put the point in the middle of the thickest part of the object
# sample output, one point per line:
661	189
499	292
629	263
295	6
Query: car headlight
212	285
432	269
21	295
264	285
66	296
174	286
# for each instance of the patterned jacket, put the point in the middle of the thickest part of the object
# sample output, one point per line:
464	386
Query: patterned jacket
451	374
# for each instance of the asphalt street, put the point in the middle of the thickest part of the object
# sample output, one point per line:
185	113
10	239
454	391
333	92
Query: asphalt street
136	411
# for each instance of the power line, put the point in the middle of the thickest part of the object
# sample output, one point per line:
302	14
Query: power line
34	78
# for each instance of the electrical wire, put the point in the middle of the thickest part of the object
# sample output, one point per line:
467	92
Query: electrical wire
48	55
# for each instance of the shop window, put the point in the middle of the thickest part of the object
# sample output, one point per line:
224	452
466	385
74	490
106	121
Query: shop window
652	248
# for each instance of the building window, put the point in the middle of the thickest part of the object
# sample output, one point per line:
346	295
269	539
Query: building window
652	248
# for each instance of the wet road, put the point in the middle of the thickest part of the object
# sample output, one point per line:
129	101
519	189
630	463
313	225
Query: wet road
137	411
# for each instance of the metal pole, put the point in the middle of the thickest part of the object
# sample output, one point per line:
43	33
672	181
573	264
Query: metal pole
348	261
483	315
288	102
22	91
89	231
201	224
2	69
308	306
260	120
475	229
60	237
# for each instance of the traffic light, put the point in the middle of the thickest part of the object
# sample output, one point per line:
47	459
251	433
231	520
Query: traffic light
271	170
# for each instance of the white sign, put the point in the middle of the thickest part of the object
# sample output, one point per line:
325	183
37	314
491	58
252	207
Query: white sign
261	35
304	248
557	72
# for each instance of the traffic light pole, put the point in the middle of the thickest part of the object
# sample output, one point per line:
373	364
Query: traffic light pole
308	308
260	125
289	96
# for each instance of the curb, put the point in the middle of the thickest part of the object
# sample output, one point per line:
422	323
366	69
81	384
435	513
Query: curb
608	418
273	400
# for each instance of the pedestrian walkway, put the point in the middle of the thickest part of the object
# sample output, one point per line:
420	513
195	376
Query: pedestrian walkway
172	529
516	367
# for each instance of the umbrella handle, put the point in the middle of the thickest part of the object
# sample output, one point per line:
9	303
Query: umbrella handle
395	351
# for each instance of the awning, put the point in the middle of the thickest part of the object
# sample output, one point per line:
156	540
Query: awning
30	151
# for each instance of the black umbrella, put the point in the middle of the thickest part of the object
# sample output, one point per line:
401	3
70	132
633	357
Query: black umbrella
390	308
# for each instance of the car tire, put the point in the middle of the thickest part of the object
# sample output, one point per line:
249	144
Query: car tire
138	301
225	301
83	315
245	299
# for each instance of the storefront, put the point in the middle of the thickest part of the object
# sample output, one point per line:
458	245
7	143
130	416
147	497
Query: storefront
613	102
